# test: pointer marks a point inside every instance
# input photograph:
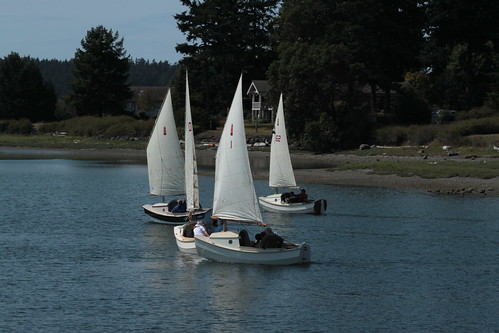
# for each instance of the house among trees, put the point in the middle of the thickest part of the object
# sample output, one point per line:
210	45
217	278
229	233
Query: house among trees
260	109
146	101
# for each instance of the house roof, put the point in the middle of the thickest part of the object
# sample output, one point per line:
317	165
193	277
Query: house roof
258	86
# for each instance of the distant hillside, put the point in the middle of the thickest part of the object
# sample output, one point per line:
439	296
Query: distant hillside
142	73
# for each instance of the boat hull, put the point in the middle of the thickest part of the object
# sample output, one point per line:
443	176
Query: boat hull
184	244
224	247
160	212
272	203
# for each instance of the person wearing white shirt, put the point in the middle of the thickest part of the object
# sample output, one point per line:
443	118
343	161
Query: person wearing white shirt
200	230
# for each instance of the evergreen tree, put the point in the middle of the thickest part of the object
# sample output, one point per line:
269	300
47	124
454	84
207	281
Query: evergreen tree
224	39
23	92
329	50
59	72
151	73
101	71
463	37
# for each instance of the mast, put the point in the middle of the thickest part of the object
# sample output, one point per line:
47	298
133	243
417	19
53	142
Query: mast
191	170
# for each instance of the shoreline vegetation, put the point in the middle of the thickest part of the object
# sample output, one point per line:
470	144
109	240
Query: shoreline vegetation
458	171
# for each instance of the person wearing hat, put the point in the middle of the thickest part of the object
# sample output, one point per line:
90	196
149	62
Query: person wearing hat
200	230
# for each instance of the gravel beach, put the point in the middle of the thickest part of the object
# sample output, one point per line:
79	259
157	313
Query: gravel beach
308	168
313	168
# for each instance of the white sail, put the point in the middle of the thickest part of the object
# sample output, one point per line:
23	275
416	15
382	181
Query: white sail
165	162
281	171
234	196
191	169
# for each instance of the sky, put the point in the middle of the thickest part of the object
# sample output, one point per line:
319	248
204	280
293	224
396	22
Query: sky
53	29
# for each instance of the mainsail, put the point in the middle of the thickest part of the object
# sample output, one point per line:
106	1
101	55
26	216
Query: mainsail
281	170
234	197
165	161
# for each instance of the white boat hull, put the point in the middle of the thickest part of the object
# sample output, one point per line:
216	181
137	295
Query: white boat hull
160	212
272	203
224	247
184	244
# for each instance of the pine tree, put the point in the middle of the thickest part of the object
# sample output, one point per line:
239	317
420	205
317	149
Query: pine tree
223	39
23	92
101	73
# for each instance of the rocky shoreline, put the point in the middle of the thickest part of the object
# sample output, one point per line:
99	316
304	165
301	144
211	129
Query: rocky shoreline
309	168
313	168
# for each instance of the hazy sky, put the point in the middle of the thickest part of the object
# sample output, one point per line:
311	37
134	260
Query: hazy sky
53	29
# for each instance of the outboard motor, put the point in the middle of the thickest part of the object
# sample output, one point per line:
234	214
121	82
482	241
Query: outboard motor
320	207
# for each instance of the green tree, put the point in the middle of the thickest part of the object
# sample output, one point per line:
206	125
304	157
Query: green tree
23	92
223	39
59	72
151	73
145	102
463	36
386	37
101	72
329	50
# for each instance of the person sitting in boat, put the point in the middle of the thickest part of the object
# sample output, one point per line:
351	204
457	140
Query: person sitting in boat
200	230
172	204
290	197
215	227
258	238
303	195
268	239
181	207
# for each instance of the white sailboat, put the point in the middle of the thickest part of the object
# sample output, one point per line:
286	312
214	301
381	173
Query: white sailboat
165	164
281	175
235	200
183	233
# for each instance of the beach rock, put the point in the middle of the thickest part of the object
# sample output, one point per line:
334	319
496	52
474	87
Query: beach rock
364	146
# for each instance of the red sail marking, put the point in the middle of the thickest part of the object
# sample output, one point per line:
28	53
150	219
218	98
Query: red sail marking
231	133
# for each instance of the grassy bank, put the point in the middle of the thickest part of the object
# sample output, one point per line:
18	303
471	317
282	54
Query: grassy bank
67	142
427	169
469	161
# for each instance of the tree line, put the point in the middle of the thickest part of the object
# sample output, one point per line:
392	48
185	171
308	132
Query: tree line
324	55
344	67
95	82
141	72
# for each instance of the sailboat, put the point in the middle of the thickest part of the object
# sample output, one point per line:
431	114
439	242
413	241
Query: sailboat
167	175
183	233
234	200
281	175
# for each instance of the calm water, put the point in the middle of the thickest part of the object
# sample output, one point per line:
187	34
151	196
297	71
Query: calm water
77	253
